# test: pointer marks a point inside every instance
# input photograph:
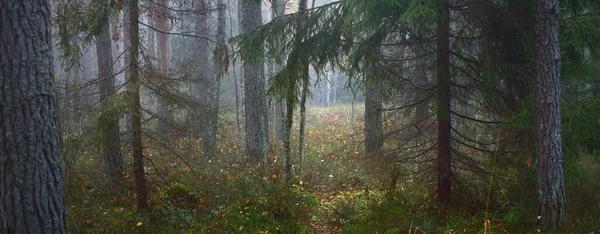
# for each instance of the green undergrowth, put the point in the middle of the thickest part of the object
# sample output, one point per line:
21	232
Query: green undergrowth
337	191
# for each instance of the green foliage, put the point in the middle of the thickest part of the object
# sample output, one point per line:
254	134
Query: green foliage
78	25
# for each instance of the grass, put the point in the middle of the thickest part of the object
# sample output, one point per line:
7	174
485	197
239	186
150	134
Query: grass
339	191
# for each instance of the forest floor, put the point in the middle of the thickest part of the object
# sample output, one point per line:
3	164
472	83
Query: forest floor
338	190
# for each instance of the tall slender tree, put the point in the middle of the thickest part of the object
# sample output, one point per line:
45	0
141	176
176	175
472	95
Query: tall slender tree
220	57
279	106
31	195
551	184
141	190
163	26
108	121
444	150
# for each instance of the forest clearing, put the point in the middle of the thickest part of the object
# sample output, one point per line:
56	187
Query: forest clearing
299	116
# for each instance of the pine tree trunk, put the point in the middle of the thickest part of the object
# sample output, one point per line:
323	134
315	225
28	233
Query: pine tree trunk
108	122
220	52
444	157
163	25
31	195
287	146
551	185
202	86
136	117
127	61
279	105
254	88
301	143
373	118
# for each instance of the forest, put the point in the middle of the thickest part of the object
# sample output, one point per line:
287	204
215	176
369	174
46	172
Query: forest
299	116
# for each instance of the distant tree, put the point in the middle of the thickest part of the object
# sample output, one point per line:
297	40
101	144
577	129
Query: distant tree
551	184
221	65
31	195
108	120
162	16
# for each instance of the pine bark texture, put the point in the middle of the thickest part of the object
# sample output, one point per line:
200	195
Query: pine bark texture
108	123
551	185
444	150
31	195
373	118
254	88
139	174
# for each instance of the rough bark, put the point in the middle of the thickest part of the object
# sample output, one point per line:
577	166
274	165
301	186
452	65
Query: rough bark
551	185
108	122
139	174
31	195
373	118
163	24
254	88
444	150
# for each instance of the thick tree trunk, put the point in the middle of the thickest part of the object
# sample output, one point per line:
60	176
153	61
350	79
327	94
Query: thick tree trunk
373	118
108	122
254	88
163	24
551	185
141	190
444	157
31	195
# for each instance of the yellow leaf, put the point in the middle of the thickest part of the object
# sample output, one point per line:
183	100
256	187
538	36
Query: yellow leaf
139	224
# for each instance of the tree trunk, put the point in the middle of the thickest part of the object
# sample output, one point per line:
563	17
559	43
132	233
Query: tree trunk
127	61
551	185
287	146
202	86
302	121
373	117
31	195
163	25
254	88
280	111
108	121
220	68
136	117
444	157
